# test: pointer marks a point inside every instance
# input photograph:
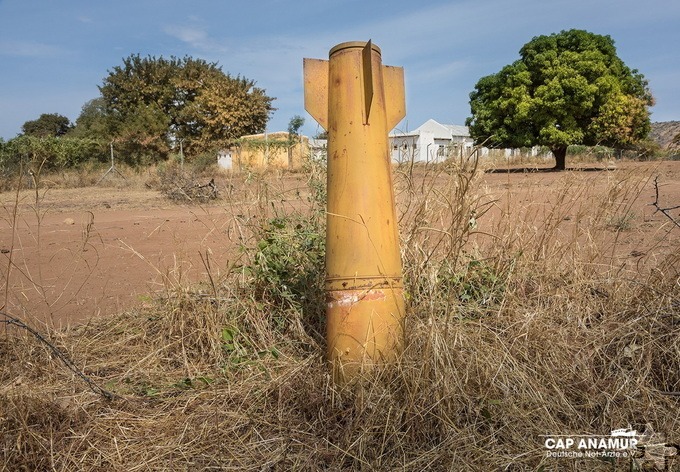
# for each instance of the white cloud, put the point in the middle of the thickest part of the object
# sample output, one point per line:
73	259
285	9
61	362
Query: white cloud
193	36
28	49
197	37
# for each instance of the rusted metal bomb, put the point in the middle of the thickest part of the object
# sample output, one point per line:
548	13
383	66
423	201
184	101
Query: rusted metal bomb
358	101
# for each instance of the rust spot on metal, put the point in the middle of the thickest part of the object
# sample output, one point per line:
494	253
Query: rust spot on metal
347	298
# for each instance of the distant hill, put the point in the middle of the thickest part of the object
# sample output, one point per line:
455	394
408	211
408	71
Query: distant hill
663	132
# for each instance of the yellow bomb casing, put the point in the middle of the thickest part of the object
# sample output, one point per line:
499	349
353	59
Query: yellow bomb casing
358	101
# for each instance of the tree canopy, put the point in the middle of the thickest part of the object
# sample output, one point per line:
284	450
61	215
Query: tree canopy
294	125
566	88
47	125
148	104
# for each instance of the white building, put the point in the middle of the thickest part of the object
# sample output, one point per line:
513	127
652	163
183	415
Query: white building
434	142
430	142
224	159
318	148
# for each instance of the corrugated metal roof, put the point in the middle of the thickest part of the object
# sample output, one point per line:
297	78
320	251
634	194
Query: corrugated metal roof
439	130
459	130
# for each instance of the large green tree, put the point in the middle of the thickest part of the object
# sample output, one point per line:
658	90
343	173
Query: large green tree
139	136
47	125
156	100
94	121
566	88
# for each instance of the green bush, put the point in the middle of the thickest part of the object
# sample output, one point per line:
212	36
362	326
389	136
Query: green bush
50	153
288	260
288	263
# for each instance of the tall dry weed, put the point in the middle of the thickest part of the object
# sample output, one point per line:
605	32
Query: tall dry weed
522	323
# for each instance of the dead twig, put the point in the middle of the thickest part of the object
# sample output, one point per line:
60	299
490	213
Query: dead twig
11	320
665	211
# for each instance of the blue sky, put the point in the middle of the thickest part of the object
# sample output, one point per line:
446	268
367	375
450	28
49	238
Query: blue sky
54	54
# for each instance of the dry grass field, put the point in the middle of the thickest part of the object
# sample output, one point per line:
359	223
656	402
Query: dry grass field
189	336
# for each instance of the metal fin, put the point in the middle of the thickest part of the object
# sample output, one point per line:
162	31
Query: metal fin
367	63
395	99
315	73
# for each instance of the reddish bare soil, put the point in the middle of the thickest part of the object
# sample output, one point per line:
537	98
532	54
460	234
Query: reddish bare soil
638	236
93	252
100	252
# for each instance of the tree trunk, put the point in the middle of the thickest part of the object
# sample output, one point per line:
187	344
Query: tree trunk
560	154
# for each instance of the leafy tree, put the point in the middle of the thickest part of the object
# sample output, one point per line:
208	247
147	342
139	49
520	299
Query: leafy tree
567	88
189	99
94	121
142	136
225	109
294	126
49	124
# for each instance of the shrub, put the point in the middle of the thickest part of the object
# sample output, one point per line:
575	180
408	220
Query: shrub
185	186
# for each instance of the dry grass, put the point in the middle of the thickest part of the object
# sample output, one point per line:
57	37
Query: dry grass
521	323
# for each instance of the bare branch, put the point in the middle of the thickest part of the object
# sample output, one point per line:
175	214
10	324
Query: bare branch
11	320
665	211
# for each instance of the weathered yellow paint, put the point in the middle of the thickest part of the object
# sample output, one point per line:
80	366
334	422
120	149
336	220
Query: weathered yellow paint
363	101
316	89
252	153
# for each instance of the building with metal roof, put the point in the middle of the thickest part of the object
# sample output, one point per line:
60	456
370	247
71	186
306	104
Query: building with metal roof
430	142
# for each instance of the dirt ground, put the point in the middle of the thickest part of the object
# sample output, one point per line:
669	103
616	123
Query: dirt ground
80	253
